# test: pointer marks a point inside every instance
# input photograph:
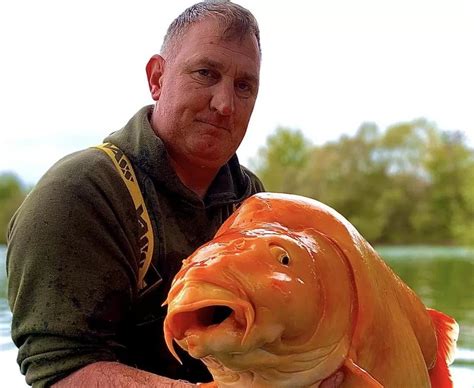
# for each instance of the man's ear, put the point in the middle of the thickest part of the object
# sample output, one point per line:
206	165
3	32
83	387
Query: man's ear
154	73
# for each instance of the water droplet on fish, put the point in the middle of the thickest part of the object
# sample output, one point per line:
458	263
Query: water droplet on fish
280	276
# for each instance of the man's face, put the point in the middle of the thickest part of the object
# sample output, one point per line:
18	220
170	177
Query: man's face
205	96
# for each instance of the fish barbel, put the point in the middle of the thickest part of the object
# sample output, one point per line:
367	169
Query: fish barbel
288	292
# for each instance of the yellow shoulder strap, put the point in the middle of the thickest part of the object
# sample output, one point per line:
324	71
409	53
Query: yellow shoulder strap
125	169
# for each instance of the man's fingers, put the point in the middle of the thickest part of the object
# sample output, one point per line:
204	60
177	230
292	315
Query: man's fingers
333	381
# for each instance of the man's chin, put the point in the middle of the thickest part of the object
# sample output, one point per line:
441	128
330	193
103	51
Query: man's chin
210	159
210	164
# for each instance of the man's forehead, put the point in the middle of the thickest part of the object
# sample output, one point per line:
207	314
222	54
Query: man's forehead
210	30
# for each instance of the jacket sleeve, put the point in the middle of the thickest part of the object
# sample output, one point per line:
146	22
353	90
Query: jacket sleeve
71	268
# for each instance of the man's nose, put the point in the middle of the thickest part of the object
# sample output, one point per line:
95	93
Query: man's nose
222	99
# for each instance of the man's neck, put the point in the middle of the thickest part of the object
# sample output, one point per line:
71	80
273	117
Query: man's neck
197	179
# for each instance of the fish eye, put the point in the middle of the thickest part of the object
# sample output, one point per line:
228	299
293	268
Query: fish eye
282	256
285	259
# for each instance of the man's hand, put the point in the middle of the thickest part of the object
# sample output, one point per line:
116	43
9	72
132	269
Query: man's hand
333	381
113	374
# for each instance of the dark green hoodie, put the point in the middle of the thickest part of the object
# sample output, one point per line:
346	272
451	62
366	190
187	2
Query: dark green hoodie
73	251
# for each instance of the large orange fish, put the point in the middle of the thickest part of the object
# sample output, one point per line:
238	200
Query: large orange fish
288	293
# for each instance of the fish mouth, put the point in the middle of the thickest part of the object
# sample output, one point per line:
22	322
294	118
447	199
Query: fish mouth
204	312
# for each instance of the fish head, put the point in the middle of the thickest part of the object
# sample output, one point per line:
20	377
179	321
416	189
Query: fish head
251	303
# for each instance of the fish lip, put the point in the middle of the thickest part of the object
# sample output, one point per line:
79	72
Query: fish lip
190	300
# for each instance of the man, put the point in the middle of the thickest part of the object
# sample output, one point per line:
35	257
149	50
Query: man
80	317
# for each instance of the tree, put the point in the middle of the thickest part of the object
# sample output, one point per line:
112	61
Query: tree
404	149
12	194
347	175
413	183
279	162
451	196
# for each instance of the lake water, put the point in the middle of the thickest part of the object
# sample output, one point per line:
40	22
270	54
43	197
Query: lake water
442	277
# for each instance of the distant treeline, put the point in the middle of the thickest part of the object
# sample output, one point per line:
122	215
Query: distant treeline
410	184
12	194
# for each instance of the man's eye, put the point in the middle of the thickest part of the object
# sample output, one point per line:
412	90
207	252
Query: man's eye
206	76
244	89
204	72
243	86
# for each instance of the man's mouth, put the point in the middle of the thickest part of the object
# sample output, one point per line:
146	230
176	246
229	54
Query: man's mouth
215	124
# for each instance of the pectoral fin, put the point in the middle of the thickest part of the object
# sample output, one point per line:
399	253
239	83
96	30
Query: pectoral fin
355	376
447	331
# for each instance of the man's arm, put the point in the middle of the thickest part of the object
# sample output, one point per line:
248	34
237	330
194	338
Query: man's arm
72	267
113	374
106	374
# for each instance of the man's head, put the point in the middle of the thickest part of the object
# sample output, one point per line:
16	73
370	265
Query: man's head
205	83
236	22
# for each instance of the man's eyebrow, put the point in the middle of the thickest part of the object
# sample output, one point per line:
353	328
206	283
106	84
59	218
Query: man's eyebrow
207	62
210	63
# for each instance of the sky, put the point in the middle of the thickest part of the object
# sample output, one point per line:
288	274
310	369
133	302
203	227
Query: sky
71	72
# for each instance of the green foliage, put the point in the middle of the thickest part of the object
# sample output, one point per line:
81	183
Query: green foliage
12	194
412	183
286	153
452	193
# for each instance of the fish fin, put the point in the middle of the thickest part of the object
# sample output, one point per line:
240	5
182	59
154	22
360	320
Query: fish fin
447	331
355	376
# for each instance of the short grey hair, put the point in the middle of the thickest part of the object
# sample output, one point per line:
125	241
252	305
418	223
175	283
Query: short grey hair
237	22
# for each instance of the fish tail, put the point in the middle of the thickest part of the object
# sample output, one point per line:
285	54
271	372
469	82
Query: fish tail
447	331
